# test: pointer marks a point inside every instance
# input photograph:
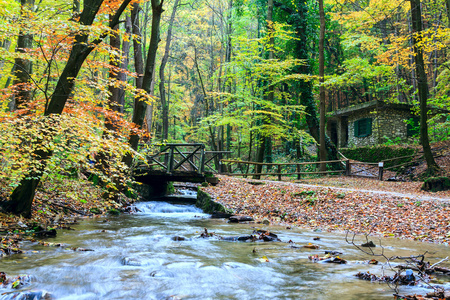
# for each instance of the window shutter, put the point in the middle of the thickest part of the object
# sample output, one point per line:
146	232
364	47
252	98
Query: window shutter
369	126
363	127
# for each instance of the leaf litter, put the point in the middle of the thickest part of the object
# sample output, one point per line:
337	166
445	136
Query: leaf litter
332	209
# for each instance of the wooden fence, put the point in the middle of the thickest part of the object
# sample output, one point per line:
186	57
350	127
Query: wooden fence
281	169
348	167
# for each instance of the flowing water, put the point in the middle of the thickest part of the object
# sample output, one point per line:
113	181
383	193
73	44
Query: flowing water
136	257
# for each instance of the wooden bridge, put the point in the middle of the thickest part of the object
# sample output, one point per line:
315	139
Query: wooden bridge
180	162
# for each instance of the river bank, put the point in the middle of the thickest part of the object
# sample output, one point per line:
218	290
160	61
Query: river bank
59	206
364	208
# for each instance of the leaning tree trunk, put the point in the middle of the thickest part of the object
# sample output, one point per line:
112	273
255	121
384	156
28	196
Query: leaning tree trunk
422	85
21	199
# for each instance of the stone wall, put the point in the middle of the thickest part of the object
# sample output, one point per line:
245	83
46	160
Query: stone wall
392	125
387	124
362	141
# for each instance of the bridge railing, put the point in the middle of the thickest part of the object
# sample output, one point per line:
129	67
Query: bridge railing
185	158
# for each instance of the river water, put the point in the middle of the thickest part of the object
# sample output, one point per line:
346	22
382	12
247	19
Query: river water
136	257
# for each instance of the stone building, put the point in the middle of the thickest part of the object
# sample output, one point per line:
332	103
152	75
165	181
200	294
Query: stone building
371	123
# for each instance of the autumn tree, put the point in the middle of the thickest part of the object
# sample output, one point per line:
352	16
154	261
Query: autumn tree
140	104
422	84
84	42
162	82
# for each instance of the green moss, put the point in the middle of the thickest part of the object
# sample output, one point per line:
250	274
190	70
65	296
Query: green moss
435	184
114	212
205	202
170	188
95	210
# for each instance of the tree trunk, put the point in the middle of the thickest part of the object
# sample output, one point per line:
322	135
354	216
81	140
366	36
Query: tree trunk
299	21
322	146
21	199
140	104
265	144
271	88
162	90
23	67
422	85
260	158
124	65
114	61
447	5
229	29
205	95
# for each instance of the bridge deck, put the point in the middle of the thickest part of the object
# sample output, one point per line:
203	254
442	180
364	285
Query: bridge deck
150	177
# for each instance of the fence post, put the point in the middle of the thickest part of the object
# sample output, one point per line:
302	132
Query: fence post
201	168
348	167
380	170
221	166
299	176
170	160
279	172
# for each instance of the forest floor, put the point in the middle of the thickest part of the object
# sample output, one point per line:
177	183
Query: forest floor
358	205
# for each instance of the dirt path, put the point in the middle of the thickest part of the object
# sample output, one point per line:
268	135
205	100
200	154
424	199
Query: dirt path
356	205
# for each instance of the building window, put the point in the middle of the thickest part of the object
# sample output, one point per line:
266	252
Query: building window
363	127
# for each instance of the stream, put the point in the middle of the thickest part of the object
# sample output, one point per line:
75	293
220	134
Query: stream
136	257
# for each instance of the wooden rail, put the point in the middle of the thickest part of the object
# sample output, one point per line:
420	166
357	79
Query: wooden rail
279	172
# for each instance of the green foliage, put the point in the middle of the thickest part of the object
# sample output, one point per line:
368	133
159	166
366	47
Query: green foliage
305	193
340	195
361	72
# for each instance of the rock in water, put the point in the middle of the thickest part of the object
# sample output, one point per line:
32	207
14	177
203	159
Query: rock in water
369	244
239	219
